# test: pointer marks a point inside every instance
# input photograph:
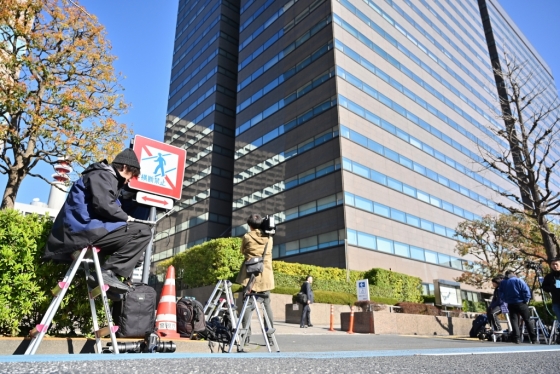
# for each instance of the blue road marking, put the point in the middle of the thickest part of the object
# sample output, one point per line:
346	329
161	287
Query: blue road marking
288	355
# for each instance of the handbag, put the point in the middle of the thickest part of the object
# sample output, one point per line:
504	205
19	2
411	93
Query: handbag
255	265
301	298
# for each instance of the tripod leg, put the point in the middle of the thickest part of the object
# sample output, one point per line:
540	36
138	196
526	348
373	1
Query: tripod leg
262	324
238	326
273	336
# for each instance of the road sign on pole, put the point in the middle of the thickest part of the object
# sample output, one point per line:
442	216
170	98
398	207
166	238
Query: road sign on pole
154	200
162	167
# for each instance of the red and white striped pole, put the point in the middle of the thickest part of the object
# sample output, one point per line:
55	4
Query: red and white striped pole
351	329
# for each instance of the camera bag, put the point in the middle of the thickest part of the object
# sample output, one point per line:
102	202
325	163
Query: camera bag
136	313
301	298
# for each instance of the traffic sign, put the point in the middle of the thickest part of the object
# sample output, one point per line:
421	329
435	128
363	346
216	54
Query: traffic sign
154	200
162	167
362	286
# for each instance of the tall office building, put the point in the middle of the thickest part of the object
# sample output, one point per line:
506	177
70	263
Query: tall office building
201	119
358	124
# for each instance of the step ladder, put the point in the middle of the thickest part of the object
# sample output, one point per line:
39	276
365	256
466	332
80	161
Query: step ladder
553	332
221	301
240	334
540	328
221	304
81	258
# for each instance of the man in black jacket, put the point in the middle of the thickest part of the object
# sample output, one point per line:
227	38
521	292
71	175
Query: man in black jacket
306	312
551	283
92	215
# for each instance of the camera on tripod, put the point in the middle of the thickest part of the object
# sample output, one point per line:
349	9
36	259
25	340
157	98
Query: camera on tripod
536	266
268	226
150	344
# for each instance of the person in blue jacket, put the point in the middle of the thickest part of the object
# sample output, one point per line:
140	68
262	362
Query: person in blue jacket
497	305
306	312
92	215
517	294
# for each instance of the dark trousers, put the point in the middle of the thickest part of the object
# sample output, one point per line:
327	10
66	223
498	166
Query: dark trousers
521	309
305	315
251	307
492	315
125	247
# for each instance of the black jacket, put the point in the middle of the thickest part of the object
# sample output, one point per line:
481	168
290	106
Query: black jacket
306	289
90	211
549	285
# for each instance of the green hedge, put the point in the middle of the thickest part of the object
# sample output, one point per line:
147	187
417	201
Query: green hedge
26	280
205	264
394	285
472	306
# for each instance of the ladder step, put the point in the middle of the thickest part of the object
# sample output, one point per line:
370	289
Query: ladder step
104	331
97	291
59	287
38	329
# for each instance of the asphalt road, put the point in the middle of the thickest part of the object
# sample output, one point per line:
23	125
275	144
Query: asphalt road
316	354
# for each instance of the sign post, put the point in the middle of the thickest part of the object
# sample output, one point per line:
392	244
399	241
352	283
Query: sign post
162	169
362	287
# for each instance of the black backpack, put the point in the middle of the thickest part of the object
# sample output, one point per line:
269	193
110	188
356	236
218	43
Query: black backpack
478	325
136	313
190	317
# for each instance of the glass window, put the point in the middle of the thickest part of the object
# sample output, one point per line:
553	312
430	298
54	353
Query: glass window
378	177
412	220
382	210
397	215
349	198
352	237
326	202
363	204
329	239
423	196
292	247
384	245
394	184
401	249
431	256
366	241
308	244
444	260
360	170
307	208
417	253
438	229
409	190
426	225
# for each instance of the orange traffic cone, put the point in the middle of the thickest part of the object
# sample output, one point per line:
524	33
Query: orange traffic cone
166	318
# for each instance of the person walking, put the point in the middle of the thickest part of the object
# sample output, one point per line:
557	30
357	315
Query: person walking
517	294
306	312
551	283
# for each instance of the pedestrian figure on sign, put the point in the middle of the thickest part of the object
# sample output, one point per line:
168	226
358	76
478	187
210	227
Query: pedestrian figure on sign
161	163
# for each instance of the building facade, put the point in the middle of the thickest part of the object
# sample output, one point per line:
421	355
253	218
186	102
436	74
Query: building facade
358	124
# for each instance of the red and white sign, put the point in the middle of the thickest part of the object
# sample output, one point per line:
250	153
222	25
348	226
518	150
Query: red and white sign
154	200
162	167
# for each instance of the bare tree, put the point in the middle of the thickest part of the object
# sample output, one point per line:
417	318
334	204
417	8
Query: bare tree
531	131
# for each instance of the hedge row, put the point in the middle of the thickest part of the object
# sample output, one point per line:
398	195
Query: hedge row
26	281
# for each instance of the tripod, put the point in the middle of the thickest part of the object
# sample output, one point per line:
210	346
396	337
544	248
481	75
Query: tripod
256	299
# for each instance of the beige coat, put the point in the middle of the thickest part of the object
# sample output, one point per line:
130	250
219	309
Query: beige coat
253	246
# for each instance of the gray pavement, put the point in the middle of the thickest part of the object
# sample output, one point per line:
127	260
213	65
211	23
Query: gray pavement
315	350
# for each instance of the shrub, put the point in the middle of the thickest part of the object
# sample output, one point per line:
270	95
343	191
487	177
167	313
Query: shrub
205	264
317	272
417	308
472	306
25	290
394	285
429	299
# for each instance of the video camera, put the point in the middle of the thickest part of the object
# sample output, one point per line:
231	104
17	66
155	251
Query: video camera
536	266
268	226
150	344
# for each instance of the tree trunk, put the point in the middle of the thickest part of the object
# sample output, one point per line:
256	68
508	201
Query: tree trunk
15	177
548	242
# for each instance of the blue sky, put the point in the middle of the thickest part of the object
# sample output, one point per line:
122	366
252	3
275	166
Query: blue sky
142	32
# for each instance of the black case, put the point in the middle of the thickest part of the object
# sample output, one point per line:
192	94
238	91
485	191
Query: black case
136	314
